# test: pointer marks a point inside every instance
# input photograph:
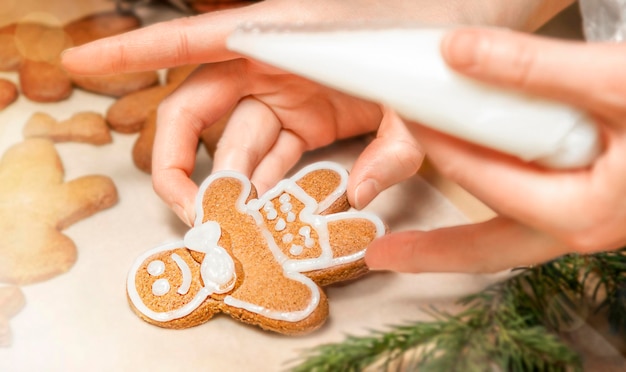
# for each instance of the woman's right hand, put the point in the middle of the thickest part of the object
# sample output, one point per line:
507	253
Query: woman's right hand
227	79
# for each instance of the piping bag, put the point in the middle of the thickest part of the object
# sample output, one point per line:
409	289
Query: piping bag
401	67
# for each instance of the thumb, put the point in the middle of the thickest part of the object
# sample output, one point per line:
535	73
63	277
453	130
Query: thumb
393	156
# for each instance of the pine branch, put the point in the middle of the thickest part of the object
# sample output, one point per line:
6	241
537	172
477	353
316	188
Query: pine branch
487	333
511	325
610	270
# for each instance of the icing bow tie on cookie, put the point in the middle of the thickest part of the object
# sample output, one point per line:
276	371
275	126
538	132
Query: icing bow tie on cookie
262	259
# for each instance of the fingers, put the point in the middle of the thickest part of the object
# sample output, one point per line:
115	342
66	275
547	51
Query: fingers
581	74
278	161
393	156
533	195
206	96
255	144
487	247
250	133
190	40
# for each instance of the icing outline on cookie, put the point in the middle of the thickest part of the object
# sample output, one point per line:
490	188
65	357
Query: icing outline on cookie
218	272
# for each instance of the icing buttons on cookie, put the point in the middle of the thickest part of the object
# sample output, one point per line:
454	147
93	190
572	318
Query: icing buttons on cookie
296	249
156	268
287	238
160	287
271	212
280	225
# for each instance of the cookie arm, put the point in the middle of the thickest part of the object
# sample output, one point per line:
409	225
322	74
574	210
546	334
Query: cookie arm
83	197
351	232
223	197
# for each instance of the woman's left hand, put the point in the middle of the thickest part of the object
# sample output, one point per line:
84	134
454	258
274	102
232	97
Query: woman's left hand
542	213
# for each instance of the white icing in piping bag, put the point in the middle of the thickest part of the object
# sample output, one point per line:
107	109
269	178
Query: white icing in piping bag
402	68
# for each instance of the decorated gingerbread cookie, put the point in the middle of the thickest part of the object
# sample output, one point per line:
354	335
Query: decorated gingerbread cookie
262	259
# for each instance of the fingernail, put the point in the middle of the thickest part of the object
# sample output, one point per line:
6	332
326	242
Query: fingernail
372	262
64	52
364	193
182	214
462	48
63	56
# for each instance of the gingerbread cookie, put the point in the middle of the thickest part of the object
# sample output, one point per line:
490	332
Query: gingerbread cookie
88	127
129	113
8	93
36	204
34	49
96	26
260	260
11	302
137	112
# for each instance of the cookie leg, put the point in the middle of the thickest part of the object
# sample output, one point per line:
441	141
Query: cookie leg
288	303
349	235
33	253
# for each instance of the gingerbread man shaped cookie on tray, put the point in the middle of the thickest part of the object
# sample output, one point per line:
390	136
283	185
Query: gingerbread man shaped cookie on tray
262	259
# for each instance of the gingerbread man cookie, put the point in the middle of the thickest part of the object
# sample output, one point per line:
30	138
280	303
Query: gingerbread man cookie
11	302
36	204
260	260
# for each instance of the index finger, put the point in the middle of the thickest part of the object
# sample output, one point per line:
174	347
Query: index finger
182	41
205	97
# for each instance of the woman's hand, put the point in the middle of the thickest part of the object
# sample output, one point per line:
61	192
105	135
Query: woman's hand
277	116
542	213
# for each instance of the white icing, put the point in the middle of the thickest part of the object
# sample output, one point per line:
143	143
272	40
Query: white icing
271	215
284	198
270	211
203	236
287	238
305	232
217	268
296	250
280	225
286	207
335	194
160	287
156	268
186	273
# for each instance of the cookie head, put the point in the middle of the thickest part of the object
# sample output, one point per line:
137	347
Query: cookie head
167	286
182	279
